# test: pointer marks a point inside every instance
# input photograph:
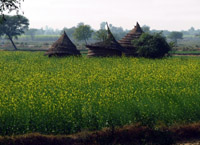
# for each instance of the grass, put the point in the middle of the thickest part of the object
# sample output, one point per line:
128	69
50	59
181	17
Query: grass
186	52
67	95
40	36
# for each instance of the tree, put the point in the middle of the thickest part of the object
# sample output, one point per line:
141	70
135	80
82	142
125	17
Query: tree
83	32
146	28
175	36
100	35
13	27
80	24
10	5
103	25
69	31
31	33
151	46
191	30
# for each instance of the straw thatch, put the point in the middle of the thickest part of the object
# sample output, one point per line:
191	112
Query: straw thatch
109	47
63	47
126	42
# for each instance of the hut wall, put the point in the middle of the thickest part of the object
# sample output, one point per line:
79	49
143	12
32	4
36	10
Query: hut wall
104	52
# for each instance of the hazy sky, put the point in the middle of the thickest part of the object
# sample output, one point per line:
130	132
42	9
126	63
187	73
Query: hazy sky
158	14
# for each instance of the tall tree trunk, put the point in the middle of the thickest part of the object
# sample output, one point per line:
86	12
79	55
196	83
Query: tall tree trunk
10	38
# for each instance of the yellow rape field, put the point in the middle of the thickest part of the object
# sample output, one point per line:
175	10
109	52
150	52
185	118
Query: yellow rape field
67	95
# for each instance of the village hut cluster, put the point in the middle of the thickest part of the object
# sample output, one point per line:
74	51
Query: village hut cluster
109	47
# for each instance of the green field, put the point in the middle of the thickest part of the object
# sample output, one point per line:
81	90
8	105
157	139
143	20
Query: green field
39	36
67	95
186	52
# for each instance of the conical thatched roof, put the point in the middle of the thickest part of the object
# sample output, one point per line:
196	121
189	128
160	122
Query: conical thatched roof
133	34
63	47
109	43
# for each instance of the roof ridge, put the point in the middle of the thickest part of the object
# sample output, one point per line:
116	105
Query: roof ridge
63	45
133	34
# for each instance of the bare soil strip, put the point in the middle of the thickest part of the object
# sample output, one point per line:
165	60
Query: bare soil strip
133	134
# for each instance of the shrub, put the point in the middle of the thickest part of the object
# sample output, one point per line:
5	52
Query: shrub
151	45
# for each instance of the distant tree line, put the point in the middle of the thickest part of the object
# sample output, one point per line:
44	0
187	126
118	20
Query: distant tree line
99	35
75	32
82	33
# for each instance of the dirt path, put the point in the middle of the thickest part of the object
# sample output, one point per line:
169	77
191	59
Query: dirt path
132	134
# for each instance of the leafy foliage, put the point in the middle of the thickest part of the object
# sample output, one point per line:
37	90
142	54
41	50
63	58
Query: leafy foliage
101	35
175	35
69	31
14	26
83	32
146	28
151	46
10	5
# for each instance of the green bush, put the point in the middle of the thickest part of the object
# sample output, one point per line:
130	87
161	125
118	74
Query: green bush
151	45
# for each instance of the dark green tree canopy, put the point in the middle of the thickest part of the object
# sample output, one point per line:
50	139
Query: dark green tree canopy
83	32
69	31
151	46
100	35
10	5
146	28
175	35
13	26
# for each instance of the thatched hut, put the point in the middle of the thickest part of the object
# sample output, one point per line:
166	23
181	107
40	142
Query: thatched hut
109	47
126	42
63	47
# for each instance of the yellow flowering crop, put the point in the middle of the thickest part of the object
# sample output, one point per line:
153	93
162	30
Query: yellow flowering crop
67	95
